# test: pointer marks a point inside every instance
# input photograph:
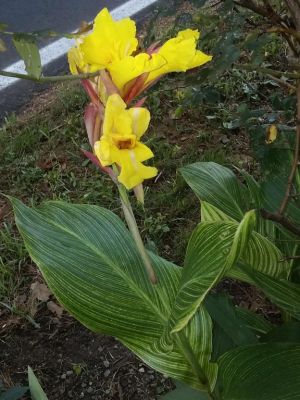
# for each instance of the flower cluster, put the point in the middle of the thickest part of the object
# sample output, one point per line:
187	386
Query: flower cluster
111	48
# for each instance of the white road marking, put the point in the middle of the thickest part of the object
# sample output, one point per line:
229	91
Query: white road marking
60	47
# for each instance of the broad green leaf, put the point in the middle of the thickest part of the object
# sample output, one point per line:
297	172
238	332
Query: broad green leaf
36	390
282	292
229	329
261	372
15	393
260	252
254	321
253	188
213	249
210	213
29	52
91	264
218	186
288	332
185	392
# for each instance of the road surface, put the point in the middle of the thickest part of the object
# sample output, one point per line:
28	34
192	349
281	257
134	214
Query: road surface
57	15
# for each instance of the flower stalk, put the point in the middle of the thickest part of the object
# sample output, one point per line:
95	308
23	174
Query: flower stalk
134	230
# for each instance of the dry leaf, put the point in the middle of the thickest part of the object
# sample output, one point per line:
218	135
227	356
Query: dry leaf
40	291
271	134
56	309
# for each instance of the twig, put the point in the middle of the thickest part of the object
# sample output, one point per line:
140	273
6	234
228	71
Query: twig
282	220
295	164
290	258
268	71
45	79
281	82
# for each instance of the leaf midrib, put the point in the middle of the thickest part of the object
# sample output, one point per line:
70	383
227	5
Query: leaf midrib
130	283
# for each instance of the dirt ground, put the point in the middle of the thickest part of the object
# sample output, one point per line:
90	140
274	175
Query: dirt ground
73	363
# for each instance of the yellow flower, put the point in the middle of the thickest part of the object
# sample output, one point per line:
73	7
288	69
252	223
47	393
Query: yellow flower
120	142
111	45
180	54
109	41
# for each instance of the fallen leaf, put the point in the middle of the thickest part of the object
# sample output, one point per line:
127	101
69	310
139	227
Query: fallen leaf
40	291
55	309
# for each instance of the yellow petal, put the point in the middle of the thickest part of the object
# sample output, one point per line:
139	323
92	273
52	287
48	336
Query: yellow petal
102	149
140	120
142	152
200	58
115	107
110	40
133	172
180	54
125	70
188	34
76	61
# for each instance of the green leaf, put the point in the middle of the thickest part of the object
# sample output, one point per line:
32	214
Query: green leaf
281	292
14	393
36	390
210	213
229	329
185	392
218	186
213	249
91	263
254	321
260	372
288	332
29	52
2	45
3	26
260	252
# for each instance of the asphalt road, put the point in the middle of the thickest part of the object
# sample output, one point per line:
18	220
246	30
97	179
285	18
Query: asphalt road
57	15
31	15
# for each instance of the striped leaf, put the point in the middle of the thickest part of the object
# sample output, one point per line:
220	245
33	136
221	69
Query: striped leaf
91	264
260	253
280	291
261	372
213	249
218	186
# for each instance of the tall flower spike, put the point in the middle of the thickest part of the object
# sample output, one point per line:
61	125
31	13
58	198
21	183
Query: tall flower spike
120	142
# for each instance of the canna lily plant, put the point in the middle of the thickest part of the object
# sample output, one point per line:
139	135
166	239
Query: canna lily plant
168	315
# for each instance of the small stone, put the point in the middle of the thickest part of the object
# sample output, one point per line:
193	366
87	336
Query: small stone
64	376
100	348
106	373
83	385
151	377
90	383
142	370
81	395
225	140
106	363
89	390
70	394
131	370
69	373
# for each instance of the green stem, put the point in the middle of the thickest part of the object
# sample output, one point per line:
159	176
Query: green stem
267	71
134	230
46	79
